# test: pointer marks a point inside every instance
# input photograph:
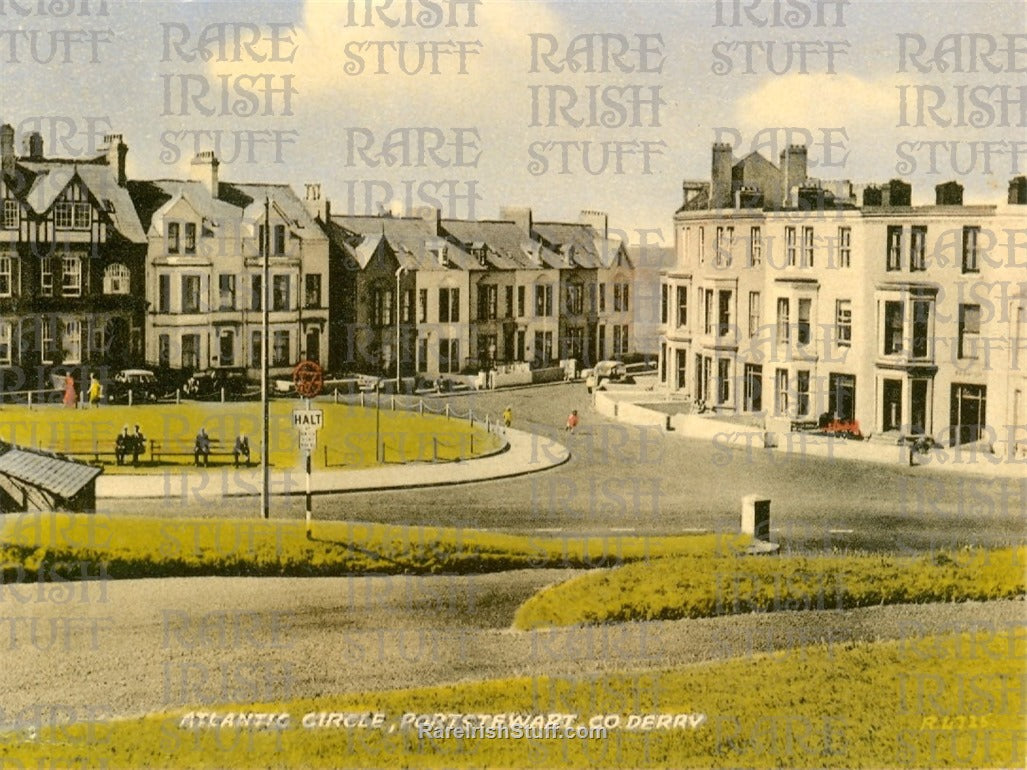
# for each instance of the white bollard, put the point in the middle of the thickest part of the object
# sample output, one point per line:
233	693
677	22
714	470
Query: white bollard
756	516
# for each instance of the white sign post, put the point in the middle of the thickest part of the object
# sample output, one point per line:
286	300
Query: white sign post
308	422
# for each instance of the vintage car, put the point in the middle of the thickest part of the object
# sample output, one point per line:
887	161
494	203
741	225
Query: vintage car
602	372
207	385
141	383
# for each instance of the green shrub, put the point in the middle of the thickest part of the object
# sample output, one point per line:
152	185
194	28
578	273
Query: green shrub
880	704
35	546
697	587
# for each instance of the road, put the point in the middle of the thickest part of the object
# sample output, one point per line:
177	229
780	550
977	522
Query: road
139	646
623	479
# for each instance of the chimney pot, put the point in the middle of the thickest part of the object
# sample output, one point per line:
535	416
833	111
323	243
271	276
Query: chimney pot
204	169
7	157
34	145
1018	190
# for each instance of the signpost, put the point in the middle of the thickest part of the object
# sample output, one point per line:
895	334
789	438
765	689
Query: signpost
308	379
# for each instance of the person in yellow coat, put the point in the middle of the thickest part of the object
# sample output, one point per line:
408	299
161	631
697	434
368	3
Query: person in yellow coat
95	391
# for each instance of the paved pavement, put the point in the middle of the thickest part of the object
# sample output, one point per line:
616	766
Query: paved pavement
525	453
972	459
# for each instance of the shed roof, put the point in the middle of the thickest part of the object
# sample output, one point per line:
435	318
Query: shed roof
55	474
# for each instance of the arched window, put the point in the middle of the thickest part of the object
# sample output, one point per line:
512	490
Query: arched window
116	279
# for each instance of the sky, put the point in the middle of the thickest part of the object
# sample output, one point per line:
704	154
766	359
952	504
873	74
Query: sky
559	105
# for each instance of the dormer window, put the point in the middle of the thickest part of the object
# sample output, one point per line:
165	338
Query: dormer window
190	237
173	232
479	251
71	216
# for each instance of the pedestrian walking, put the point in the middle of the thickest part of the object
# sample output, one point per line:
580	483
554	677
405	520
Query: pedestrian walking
95	391
572	421
70	396
507	416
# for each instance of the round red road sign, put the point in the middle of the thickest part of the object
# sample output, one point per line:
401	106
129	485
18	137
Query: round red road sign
308	378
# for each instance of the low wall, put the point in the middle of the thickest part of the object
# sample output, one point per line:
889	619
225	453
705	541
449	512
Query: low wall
549	374
513	374
627	412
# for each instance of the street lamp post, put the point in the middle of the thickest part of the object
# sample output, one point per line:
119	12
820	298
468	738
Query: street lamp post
265	464
398	305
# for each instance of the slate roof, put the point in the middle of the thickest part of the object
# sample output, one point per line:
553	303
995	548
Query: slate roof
55	474
409	237
506	243
588	248
235	202
49	178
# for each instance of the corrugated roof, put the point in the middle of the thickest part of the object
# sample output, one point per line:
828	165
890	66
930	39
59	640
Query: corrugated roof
57	475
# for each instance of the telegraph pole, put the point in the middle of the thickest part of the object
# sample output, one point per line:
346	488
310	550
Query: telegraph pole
265	459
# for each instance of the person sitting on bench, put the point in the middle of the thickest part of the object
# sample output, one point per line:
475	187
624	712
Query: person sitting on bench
202	447
138	445
241	448
121	445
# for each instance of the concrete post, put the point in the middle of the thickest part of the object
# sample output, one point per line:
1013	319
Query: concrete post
756	516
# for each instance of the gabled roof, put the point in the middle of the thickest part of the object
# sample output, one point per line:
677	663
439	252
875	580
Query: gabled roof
55	474
49	178
588	248
410	238
504	240
235	202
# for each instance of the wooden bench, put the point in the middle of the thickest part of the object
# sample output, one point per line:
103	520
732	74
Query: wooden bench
186	448
90	451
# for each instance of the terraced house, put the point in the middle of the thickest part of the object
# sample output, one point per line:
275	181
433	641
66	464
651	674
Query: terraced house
204	279
803	300
476	294
72	257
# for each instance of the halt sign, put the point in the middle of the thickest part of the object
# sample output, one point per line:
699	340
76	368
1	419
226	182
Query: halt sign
308	419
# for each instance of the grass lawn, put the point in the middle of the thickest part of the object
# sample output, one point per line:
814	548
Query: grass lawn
952	700
691	587
348	433
35	546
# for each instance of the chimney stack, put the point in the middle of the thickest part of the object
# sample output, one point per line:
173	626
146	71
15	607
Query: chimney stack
948	194
897	193
793	169
7	157
1018	191
318	206
34	146
720	176
204	169
520	215
598	220
116	152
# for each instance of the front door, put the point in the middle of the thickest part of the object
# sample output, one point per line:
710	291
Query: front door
313	350
842	397
967	413
918	406
753	388
891	405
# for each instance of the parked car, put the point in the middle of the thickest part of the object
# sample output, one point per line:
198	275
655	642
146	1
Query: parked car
142	383
604	371
207	384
